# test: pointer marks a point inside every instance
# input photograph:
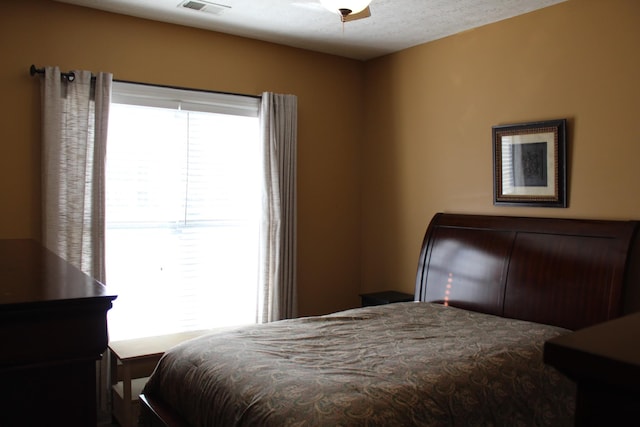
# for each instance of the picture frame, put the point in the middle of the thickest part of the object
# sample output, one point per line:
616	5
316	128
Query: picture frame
530	164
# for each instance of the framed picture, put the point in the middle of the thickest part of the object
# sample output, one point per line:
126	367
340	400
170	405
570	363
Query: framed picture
530	164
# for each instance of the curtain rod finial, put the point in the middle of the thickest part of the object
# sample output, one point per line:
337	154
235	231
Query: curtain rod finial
33	70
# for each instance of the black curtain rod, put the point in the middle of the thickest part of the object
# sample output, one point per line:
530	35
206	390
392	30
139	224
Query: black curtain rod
70	76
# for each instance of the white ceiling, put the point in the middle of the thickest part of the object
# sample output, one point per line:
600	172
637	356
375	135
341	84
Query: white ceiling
394	24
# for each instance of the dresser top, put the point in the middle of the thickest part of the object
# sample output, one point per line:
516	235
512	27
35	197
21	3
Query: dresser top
32	275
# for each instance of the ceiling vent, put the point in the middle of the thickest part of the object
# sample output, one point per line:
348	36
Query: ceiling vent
204	6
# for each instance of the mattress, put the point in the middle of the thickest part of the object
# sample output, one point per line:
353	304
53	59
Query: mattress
404	364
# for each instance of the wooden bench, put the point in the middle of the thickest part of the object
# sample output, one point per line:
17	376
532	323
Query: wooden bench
132	361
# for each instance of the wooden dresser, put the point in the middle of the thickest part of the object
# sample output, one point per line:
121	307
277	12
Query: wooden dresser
53	329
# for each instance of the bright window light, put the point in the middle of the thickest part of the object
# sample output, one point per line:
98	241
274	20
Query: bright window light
182	218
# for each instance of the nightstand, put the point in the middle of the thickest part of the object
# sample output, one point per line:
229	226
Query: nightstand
384	297
604	361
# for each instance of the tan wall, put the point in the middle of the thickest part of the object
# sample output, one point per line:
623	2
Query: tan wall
44	32
426	146
430	109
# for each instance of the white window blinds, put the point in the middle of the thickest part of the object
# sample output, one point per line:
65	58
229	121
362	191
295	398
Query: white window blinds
183	208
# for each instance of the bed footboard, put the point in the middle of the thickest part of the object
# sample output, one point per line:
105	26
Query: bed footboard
154	414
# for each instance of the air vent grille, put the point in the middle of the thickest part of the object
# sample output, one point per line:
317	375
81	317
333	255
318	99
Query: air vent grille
194	5
204	6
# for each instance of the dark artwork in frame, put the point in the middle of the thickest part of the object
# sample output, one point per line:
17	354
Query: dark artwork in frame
529	162
530	159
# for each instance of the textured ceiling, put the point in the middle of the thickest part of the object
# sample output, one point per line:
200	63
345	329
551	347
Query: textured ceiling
394	24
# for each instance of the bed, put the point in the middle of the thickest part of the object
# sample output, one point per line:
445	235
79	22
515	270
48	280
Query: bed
490	290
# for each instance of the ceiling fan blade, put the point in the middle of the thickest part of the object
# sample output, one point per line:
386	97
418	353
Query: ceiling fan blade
365	13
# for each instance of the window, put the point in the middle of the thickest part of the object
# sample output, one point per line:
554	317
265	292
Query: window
183	210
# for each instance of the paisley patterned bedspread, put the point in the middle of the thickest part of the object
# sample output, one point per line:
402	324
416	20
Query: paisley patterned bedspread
403	364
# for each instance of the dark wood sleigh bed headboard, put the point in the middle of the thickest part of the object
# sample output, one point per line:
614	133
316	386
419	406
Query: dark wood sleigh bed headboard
564	272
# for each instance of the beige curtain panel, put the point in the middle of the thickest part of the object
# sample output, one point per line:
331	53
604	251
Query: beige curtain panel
74	135
278	125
